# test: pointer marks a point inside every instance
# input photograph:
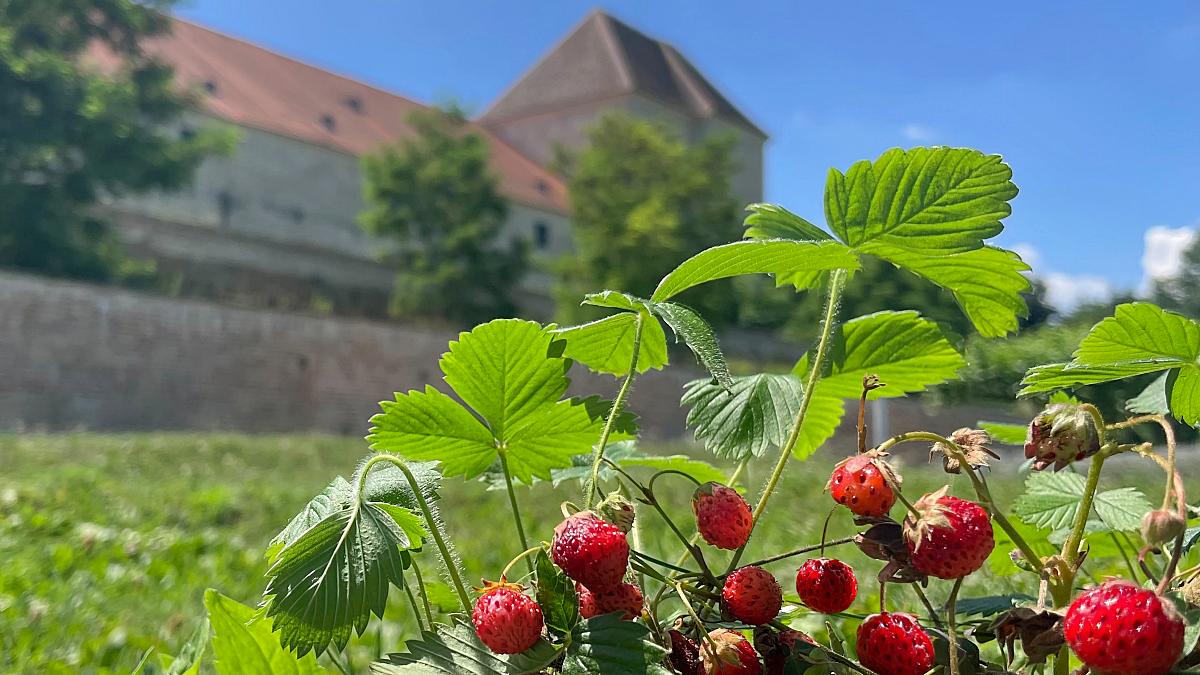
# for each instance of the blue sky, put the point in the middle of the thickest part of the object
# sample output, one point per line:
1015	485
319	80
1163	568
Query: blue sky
1096	105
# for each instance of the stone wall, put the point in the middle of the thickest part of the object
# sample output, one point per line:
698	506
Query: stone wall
75	356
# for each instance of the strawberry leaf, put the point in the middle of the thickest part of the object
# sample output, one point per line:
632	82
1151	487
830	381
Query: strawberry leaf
606	346
456	650
556	596
606	644
1051	501
1002	432
244	645
772	221
790	261
749	418
691	329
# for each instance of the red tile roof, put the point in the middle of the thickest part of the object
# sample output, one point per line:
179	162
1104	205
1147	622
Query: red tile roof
253	87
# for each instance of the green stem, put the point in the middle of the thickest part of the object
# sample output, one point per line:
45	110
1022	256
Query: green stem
618	403
427	512
952	624
416	609
837	283
512	501
801	551
523	554
1070	552
424	595
933	615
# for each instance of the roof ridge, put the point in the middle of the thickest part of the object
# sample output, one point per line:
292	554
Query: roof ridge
619	55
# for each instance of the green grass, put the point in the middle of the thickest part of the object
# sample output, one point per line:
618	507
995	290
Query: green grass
108	541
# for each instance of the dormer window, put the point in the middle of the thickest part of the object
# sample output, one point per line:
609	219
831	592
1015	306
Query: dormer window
210	86
329	123
354	103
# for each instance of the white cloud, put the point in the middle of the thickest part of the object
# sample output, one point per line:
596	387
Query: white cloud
918	133
1067	291
1163	253
1029	254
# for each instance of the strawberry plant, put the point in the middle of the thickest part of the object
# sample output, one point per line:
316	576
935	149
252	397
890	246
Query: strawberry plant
590	597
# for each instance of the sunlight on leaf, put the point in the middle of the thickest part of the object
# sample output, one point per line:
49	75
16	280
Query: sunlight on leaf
244	645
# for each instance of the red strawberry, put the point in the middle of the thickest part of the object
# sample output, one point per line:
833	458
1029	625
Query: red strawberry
894	644
591	551
825	585
626	598
722	516
776	647
752	595
506	620
685	654
587	601
1119	628
863	484
734	655
952	538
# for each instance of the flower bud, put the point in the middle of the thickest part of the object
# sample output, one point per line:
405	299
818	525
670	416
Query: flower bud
618	511
1059	435
1162	526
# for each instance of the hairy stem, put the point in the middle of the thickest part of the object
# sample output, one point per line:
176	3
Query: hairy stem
837	283
424	595
427	512
952	625
1070	551
512	501
589	497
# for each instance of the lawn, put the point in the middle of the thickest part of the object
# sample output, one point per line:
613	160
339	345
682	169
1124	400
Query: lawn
109	541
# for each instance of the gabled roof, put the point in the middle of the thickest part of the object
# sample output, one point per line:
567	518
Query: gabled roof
253	87
605	58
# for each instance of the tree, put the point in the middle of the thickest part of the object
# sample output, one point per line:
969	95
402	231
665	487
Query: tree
1181	292
642	200
435	198
71	132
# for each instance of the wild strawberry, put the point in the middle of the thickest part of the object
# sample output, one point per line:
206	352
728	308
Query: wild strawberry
587	601
752	595
626	598
591	551
951	539
1162	526
894	644
617	510
734	654
1059	435
685	654
776	647
722	516
1119	628
863	484
506	620
825	585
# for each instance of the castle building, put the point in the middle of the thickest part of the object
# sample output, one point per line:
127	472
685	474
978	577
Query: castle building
275	223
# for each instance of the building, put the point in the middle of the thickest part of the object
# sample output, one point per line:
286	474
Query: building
275	223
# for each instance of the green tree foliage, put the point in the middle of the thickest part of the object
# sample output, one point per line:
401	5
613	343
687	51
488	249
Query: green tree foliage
642	200
72	133
1181	292
435	197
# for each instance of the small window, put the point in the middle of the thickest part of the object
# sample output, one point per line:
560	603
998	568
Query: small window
354	103
211	87
224	208
329	123
542	186
187	133
541	235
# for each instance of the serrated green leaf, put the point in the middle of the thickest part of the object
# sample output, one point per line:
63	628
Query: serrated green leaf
1054	376
329	500
1184	387
243	645
907	352
456	650
787	260
191	655
987	283
821	422
333	577
556	596
1002	432
606	645
548	439
1140	331
691	329
429	425
502	371
1051	501
772	221
749	418
606	345
617	300
1152	400
991	604
937	201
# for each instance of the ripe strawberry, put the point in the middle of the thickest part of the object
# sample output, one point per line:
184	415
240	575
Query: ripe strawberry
734	655
952	538
752	595
626	598
722	516
685	654
825	585
777	647
863	484
587	601
591	551
894	644
506	620
1119	628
